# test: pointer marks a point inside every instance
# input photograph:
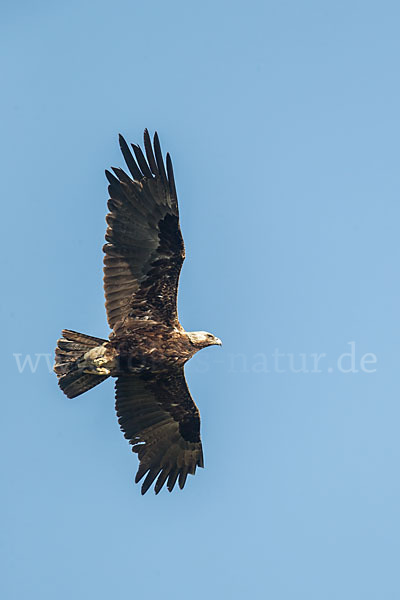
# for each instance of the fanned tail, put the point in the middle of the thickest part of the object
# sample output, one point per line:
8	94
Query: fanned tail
69	367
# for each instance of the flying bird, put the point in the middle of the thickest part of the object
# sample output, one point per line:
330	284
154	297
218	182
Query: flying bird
147	348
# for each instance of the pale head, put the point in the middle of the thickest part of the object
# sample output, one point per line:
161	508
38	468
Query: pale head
202	339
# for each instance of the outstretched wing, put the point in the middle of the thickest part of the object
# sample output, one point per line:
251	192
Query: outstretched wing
145	250
162	422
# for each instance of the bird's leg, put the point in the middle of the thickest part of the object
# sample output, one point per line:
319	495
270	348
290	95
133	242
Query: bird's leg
97	371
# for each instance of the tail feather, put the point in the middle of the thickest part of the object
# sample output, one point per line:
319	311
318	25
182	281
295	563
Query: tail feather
70	349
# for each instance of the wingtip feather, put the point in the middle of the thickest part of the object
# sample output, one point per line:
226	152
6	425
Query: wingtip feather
159	158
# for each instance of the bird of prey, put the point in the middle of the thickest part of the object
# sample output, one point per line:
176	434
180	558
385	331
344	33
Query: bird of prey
147	348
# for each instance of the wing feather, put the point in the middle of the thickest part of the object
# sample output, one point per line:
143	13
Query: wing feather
141	161
160	419
149	153
171	178
130	161
159	158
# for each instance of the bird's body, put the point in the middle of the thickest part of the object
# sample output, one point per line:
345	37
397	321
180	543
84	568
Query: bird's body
148	348
143	348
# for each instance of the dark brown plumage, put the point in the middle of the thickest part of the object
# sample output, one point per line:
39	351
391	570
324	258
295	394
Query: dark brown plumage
148	348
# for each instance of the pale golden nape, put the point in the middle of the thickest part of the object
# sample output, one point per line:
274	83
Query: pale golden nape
203	339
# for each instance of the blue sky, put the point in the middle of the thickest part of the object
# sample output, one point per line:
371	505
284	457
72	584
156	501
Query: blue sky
282	119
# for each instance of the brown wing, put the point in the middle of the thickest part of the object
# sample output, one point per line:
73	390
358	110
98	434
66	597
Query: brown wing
162	422
145	250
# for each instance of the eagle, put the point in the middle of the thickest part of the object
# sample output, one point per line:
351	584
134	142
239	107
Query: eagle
147	348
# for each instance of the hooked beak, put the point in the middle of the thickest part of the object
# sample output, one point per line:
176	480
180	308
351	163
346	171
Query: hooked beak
218	342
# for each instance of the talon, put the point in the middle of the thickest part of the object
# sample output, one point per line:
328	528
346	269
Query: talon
97	371
103	371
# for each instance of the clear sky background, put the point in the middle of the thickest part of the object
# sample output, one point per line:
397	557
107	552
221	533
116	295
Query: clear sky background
283	123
